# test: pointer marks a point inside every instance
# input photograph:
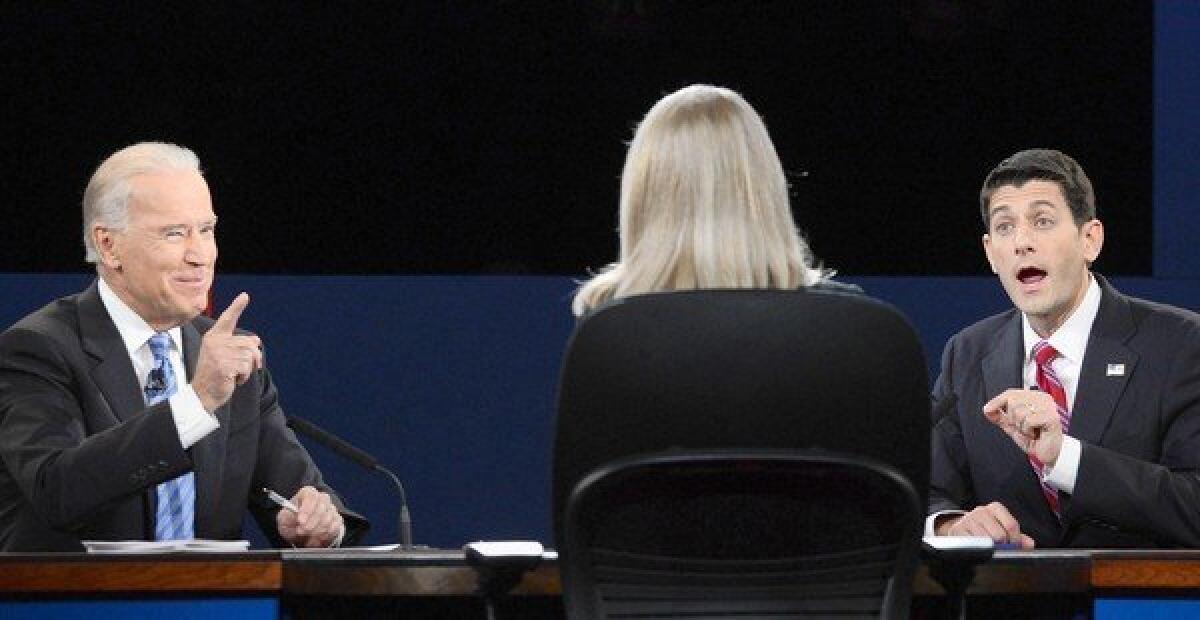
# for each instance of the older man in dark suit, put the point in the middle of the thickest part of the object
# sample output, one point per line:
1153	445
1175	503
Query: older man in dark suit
124	413
1072	420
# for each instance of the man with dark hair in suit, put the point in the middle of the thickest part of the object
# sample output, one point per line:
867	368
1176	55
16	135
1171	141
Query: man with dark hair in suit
124	413
1072	420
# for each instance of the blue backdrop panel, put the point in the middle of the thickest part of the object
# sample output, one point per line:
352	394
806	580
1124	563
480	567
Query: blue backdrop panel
128	609
1176	138
451	380
22	293
448	381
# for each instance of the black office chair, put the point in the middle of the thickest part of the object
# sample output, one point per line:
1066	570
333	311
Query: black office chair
755	372
741	535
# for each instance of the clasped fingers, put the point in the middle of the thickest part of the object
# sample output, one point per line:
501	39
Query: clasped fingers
1022	412
1031	419
318	522
225	361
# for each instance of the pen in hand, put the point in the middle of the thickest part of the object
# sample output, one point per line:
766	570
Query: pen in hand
280	500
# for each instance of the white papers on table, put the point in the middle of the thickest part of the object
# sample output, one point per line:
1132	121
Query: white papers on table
194	545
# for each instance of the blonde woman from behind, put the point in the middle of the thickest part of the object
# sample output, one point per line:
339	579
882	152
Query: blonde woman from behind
704	205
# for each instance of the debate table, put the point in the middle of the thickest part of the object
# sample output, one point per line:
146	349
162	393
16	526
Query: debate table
439	584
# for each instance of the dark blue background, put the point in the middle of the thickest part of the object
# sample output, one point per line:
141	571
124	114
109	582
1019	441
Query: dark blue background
451	381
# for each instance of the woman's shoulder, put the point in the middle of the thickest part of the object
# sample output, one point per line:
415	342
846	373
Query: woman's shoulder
827	285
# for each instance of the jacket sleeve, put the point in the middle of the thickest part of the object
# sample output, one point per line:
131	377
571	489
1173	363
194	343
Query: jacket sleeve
284	465
950	479
68	464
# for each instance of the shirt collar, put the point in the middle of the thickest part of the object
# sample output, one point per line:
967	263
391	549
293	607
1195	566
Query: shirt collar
1070	339
133	329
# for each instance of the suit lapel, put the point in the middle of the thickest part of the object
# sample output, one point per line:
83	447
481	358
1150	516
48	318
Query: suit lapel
1002	366
208	454
1099	390
114	376
113	372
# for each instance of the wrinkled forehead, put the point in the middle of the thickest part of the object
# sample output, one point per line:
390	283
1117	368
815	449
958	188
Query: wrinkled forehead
1028	195
170	193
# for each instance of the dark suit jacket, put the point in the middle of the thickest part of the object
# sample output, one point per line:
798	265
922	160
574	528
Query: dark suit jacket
81	453
1140	429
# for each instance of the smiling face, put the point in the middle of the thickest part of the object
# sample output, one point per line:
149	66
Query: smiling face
161	264
1039	253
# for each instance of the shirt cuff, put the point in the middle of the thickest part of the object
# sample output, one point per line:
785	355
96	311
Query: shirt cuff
1066	469
932	519
192	421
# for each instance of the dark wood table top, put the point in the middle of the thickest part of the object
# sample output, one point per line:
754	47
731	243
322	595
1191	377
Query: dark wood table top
445	573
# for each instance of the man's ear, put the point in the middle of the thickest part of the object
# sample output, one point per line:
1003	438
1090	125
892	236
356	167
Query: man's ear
107	246
1092	233
987	251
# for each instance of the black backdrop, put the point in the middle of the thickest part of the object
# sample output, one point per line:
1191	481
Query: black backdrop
487	137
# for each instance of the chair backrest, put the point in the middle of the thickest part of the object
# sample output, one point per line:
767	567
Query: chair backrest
745	370
742	369
764	534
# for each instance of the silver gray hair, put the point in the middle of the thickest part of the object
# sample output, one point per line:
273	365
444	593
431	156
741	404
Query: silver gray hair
106	199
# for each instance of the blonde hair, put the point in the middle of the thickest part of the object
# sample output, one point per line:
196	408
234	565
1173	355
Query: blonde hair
106	199
704	204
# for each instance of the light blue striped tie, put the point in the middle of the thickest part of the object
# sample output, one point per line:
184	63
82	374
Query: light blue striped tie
175	518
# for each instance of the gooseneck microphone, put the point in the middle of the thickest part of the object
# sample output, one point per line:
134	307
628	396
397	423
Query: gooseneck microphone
342	447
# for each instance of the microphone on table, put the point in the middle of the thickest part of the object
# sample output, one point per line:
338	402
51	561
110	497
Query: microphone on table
342	447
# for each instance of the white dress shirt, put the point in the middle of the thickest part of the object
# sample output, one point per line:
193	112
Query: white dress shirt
192	421
1070	340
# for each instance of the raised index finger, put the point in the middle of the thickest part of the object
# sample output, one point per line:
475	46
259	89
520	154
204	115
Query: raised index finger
229	318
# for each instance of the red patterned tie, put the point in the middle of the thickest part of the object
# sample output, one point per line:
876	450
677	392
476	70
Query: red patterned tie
1043	354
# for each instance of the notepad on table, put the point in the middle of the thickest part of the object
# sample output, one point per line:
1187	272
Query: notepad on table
193	545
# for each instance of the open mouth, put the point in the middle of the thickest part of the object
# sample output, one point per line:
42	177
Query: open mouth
1031	275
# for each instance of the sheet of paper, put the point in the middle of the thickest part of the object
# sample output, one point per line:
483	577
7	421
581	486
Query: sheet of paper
195	545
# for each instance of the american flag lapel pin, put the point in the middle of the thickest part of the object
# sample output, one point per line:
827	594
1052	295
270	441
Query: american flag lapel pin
1115	370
